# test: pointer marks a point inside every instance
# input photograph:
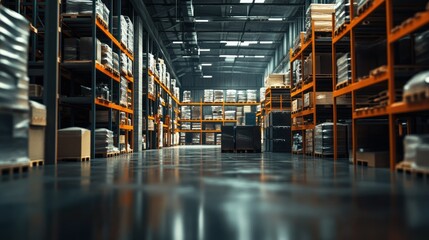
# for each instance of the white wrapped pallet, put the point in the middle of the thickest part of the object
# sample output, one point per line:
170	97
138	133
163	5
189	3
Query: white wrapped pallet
241	95
208	95
262	91
186	96
218	96
251	96
231	96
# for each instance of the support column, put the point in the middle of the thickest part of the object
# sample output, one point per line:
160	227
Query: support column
138	84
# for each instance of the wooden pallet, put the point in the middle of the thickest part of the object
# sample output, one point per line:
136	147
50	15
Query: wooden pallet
296	152
309	154
379	71
116	73
417	96
107	155
36	163
343	84
405	167
228	151
364	7
280	87
13	169
247	151
103	100
323	155
251	102
340	29
75	159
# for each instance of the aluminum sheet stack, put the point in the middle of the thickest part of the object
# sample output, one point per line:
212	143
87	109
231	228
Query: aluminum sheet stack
104	143
186	96
324	139
208	95
14	104
321	15
251	96
241	96
218	96
231	96
344	68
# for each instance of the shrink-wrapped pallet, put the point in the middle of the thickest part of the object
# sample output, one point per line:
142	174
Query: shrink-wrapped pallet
231	96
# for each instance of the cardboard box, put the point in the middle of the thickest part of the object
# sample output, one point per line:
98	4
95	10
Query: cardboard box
275	80
36	143
74	142
308	99
296	104
373	159
37	114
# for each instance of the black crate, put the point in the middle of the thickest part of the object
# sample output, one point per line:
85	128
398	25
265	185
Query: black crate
227	140
280	132
280	118
280	145
248	138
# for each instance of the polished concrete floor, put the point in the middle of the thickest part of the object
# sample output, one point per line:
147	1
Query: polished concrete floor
196	192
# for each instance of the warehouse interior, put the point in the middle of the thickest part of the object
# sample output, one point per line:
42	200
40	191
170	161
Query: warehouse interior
214	119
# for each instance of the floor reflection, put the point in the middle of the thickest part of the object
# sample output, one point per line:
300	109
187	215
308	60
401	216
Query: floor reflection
198	193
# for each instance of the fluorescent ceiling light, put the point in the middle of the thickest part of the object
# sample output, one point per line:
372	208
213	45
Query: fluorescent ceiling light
206	64
275	19
177	42
201	20
259	56
186	56
207	76
204	50
238	43
228	56
251	1
266	42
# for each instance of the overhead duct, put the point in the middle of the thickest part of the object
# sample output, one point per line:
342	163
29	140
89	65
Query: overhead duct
189	36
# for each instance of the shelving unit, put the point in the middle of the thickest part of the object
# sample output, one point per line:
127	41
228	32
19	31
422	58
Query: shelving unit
319	43
400	21
202	121
277	99
76	75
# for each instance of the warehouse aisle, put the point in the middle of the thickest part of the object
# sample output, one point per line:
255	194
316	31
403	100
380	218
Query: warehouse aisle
195	192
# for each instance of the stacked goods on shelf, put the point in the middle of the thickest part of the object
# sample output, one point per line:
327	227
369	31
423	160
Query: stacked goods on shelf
151	63
123	100
323	65
297	105
86	49
297	143
186	126
104	143
239	116
177	92
124	64
130	34
74	143
186	96
230	115
14	105
167	80
172	84
186	112
36	132
324	139
162	70
182	138
262	91
297	43
248	138
196	126
217	112
309	134
421	46
321	15
417	88
416	151
218	139
208	95
275	80
85	7
210	138
196	138
344	70
106	56
251	96
287	79
102	92
218	96
342	13
278	132
116	60
70	49
241	96
129	67
208	116
151	85
196	112
231	96
297	73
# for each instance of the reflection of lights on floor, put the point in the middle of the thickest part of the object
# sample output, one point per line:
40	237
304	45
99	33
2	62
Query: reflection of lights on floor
178	227
201	221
